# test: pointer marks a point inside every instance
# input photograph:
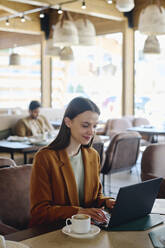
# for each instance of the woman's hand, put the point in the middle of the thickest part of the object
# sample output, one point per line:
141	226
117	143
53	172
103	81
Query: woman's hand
110	203
95	213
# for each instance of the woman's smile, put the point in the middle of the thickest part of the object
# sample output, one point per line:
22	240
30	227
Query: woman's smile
87	138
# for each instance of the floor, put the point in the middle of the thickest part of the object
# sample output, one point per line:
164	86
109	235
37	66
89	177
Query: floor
117	180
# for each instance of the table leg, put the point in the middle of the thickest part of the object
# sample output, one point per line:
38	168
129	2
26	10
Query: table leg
154	139
12	155
25	158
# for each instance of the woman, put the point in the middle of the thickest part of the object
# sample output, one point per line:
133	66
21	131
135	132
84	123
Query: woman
65	175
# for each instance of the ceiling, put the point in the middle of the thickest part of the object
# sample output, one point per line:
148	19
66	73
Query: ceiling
99	11
97	8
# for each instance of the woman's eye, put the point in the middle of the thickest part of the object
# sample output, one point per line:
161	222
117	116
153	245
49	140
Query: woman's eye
85	126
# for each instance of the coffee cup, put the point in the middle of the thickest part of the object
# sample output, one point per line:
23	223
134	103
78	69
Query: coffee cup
81	223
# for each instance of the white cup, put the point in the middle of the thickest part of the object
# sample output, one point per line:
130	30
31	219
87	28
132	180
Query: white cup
81	223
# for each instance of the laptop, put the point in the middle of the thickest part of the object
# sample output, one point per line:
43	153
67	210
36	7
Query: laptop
133	203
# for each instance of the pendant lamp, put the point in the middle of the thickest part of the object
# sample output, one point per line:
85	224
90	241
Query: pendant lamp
151	45
152	20
109	69
66	54
86	32
125	5
14	59
65	32
52	50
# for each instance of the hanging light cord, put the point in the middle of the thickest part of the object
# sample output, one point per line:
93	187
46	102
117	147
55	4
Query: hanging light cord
4	18
159	5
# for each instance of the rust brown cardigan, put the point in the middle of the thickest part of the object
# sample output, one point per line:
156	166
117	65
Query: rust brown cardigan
53	191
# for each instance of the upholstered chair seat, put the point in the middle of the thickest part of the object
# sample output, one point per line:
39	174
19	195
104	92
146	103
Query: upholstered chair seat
14	198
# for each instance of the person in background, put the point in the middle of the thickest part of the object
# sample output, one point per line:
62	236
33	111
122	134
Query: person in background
34	124
65	175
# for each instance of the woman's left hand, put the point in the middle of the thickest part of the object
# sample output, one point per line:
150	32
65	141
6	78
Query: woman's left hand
110	203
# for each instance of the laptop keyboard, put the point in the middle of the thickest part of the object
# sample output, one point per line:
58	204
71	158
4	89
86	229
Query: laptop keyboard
102	224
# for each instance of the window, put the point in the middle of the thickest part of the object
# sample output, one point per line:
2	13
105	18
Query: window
22	83
95	72
149	81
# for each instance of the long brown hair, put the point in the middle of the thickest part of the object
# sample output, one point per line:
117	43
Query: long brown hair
77	106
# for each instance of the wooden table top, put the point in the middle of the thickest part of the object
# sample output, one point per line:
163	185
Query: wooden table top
132	239
148	130
48	236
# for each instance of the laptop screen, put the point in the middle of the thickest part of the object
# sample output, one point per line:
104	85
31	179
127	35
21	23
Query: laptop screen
134	201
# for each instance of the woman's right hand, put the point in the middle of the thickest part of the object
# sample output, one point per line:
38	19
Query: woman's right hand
96	214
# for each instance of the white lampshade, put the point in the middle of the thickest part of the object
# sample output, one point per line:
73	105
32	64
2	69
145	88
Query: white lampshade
65	34
86	32
52	50
151	45
152	20
125	5
66	54
14	59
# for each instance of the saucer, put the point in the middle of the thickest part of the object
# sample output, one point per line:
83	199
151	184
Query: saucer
94	231
13	244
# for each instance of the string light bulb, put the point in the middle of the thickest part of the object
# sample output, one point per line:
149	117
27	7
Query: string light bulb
83	6
7	22
60	10
42	15
23	18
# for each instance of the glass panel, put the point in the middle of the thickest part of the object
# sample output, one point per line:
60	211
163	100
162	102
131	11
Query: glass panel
149	81
21	83
95	72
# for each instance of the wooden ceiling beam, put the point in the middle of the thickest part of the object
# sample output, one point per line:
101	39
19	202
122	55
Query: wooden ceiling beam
32	24
32	2
99	8
14	7
109	26
28	27
96	8
9	39
7	9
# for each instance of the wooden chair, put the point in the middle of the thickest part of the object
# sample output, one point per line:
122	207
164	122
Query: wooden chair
121	153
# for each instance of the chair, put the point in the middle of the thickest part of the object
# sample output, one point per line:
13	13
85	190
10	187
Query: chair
116	125
99	147
121	153
139	121
14	198
153	165
6	162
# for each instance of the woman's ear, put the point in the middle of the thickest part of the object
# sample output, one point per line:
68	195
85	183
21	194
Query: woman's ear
67	122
